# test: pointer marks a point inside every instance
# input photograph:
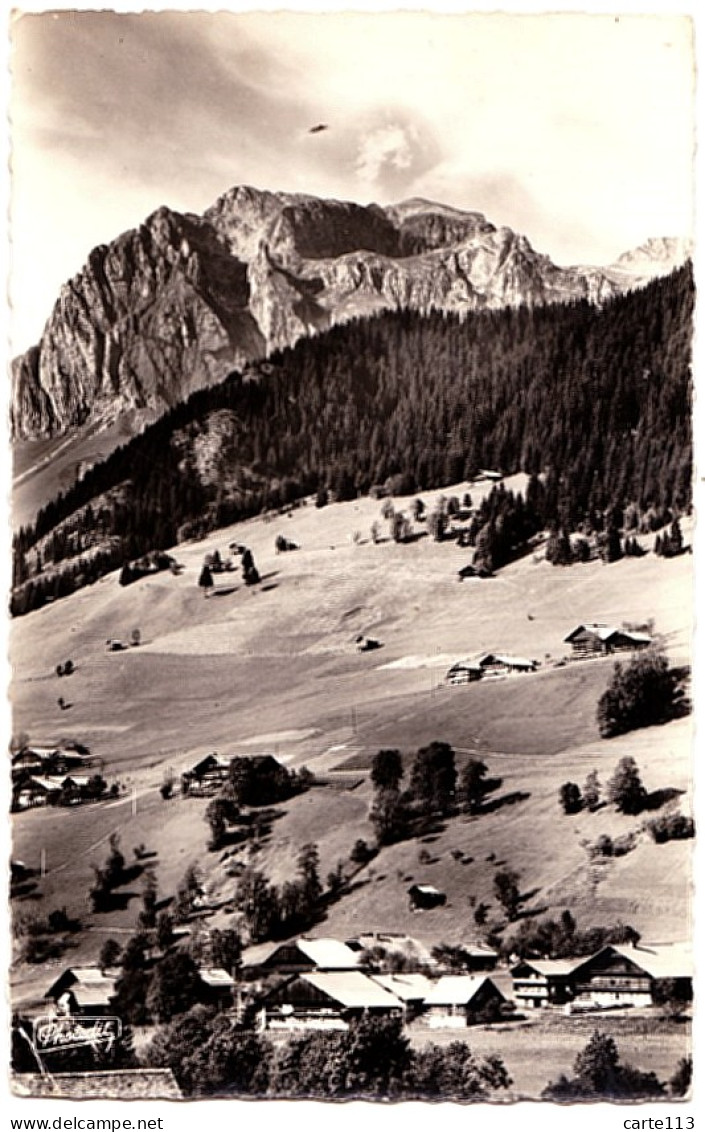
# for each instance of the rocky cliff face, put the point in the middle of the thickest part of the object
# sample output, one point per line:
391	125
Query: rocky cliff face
176	304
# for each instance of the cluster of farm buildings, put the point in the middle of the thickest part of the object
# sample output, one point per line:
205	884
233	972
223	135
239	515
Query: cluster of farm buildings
589	639
327	983
47	775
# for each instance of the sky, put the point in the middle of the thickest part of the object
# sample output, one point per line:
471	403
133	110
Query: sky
576	130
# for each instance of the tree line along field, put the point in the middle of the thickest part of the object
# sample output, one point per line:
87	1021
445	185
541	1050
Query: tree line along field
224	674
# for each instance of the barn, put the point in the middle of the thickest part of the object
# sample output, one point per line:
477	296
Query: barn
411	990
593	638
303	954
425	896
83	990
456	1001
325	1000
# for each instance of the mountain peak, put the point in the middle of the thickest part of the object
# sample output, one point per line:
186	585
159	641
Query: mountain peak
180	301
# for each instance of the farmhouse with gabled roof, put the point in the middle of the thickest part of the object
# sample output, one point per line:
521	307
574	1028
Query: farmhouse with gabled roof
325	1000
593	637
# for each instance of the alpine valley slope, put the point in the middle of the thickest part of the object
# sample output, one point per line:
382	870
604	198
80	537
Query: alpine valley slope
276	669
175	304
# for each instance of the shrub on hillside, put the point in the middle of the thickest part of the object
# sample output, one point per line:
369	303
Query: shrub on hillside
671	827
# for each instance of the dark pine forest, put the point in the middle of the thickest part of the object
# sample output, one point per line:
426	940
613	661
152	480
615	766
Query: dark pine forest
595	401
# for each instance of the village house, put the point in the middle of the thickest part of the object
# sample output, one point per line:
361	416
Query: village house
27	761
597	639
456	1001
325	1000
502	664
478	958
35	790
49	761
217	987
624	975
464	672
44	790
484	664
207	774
539	982
411	989
83	990
305	955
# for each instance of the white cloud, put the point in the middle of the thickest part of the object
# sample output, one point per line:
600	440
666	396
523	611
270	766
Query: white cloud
386	146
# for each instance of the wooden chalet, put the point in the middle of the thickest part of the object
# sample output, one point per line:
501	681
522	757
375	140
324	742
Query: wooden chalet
456	1001
411	989
540	982
83	990
217	987
208	773
464	672
27	761
35	790
50	761
42	790
503	664
325	1000
304	954
484	664
622	975
422	897
595	639
478	958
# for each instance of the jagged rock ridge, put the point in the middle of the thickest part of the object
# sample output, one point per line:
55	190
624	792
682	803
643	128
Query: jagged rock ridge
177	303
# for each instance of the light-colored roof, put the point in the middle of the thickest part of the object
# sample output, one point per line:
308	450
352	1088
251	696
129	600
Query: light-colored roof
405	987
45	782
549	967
330	954
27	757
352	988
479	658
427	889
667	961
216	977
455	990
88	979
93	994
477	950
604	632
121	1084
91	974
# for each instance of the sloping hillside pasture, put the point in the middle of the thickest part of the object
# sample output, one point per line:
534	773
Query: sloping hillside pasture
542	1048
276	668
